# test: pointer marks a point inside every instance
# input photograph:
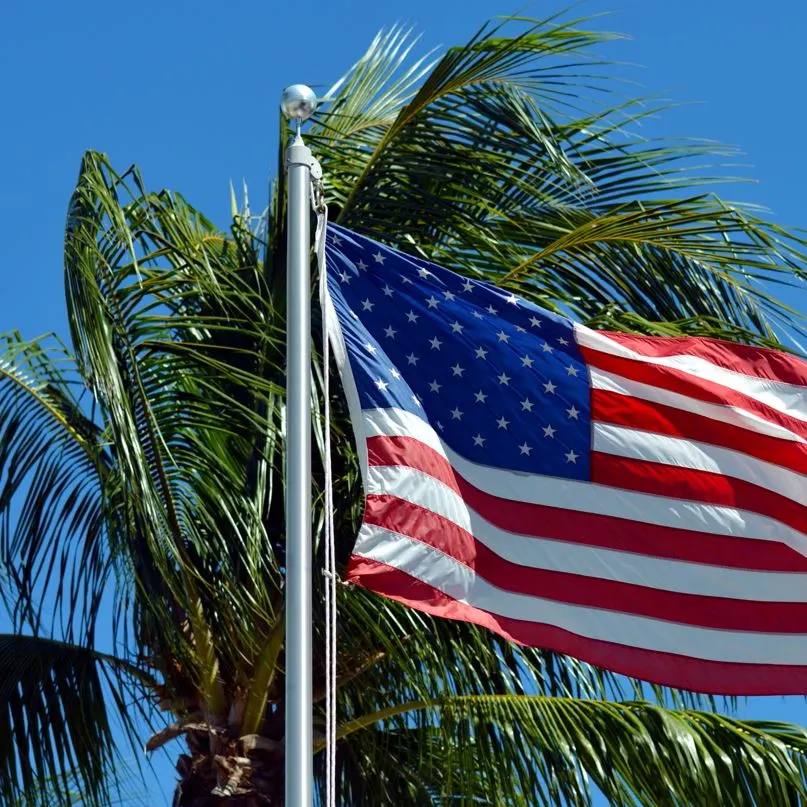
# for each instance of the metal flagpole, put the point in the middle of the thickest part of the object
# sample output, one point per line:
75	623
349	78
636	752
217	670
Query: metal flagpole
298	103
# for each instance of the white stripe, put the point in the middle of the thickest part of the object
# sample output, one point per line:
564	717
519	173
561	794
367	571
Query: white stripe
585	497
421	489
791	399
339	349
393	422
733	415
562	556
460	583
621	441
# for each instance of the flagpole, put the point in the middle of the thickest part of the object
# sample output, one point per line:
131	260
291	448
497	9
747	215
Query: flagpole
298	103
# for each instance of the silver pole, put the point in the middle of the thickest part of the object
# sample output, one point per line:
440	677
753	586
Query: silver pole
298	104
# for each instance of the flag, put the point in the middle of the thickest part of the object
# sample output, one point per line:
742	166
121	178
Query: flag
635	502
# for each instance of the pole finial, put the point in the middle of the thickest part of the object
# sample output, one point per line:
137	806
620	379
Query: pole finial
298	102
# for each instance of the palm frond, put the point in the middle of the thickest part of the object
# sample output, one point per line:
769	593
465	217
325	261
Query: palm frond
128	787
55	722
539	750
169	320
52	462
505	164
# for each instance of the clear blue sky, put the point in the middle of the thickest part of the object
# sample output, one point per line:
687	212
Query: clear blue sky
189	91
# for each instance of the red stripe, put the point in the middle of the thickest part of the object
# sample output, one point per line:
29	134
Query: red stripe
412	453
759	362
694	386
589	528
674	482
623	410
433	530
668	669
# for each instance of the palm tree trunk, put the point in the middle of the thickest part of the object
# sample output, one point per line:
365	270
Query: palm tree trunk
219	771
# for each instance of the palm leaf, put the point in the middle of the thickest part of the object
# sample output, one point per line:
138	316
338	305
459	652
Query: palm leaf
55	724
168	318
497	167
51	462
539	750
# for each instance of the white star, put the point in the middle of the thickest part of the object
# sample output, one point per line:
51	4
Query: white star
435	343
434	386
549	431
571	370
405	279
424	273
467	285
512	299
336	240
504	378
481	353
387	291
379	258
448	295
369	348
480	396
546	347
456	327
390	332
526	405
571	457
412	358
562	341
361	265
344	277
572	413
503	337
502	423
440	426
412	316
520	329
479	315
433	302
524	448
535	322
456	414
416	400
479	440
550	387
457	370
367	305
382	385
490	309
526	362
394	373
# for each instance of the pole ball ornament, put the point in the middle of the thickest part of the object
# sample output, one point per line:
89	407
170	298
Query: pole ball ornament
298	102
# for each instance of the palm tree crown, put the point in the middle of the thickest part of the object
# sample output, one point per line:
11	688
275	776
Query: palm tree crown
141	468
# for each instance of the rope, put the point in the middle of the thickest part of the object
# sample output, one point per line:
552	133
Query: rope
330	547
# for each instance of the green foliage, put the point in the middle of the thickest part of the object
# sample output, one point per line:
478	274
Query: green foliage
142	470
54	719
635	752
500	160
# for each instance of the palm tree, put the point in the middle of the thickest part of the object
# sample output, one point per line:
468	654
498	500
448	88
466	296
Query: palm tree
141	471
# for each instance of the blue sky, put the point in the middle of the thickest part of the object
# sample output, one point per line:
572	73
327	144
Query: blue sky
189	92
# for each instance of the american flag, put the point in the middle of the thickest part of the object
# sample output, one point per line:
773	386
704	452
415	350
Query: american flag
635	502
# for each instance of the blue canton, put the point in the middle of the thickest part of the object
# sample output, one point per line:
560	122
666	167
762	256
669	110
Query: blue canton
501	381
